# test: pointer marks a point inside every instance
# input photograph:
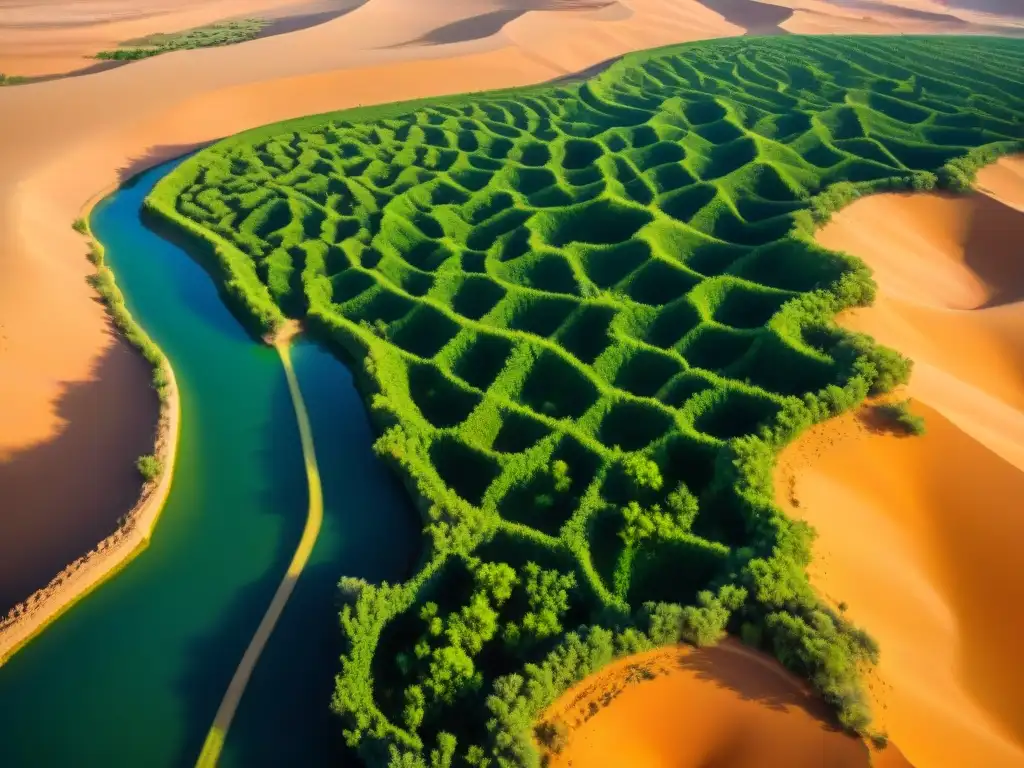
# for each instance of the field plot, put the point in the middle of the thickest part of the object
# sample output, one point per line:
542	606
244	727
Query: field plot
585	318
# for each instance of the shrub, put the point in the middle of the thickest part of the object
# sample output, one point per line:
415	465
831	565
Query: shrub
899	414
149	467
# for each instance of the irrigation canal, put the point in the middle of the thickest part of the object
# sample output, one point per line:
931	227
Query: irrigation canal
133	674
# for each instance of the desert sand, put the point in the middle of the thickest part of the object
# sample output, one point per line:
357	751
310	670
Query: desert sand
72	394
918	535
722	706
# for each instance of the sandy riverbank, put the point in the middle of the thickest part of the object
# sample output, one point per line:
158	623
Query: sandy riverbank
115	551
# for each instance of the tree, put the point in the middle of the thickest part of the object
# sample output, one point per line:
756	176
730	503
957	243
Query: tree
415	707
451	673
560	475
149	467
642	471
683	506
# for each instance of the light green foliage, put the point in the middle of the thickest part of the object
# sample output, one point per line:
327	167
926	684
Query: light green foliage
642	471
150	467
212	35
560	474
586	317
12	79
547	592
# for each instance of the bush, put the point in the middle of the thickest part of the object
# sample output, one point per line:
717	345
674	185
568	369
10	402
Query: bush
900	416
149	467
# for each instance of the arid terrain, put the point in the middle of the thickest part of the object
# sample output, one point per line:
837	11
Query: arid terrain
916	534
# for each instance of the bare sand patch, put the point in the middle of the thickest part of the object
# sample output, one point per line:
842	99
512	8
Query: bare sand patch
727	706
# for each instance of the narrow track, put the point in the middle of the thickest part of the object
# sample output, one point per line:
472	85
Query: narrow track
214	743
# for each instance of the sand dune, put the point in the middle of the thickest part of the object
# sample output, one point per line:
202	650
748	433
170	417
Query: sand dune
719	707
951	287
75	138
918	535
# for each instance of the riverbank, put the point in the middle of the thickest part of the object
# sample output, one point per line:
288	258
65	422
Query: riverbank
135	530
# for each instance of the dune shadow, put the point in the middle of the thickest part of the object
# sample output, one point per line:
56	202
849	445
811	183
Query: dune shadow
755	678
307	15
755	18
1004	7
486	24
992	248
898	10
291	19
61	497
464	30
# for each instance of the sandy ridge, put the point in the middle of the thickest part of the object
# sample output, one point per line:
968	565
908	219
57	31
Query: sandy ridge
25	620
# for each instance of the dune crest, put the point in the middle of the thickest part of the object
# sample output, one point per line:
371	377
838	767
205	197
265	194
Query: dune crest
938	514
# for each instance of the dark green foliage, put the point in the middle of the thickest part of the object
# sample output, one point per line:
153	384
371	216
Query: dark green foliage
587	317
900	415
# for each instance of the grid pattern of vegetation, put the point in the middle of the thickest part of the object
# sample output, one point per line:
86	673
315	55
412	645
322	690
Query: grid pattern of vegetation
585	318
210	36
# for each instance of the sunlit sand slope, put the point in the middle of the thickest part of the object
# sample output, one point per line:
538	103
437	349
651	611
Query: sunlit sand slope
722	707
919	535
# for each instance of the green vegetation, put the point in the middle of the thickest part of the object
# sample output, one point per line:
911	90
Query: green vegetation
585	318
11	79
150	467
221	33
104	284
900	415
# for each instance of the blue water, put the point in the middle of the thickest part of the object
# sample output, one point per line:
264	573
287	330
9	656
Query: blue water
133	674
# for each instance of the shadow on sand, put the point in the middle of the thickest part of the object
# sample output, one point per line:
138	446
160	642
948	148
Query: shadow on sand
755	18
63	496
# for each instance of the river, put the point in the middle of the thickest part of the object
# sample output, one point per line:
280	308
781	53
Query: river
133	674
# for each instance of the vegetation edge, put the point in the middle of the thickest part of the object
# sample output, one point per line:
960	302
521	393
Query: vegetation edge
110	556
